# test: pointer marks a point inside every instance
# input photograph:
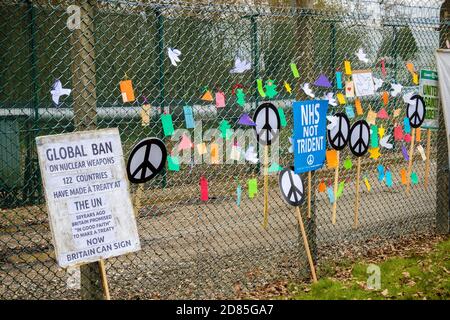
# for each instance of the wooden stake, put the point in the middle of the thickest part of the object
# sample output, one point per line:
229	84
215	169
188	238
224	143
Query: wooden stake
411	155
335	189
138	198
427	161
358	174
101	264
305	242
309	194
266	186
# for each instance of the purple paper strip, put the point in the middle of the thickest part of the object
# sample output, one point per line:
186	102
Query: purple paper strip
405	153
322	81
246	120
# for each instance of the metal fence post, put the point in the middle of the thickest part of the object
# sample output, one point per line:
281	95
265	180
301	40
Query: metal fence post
85	113
304	45
160	54
443	180
32	187
394	50
333	45
255	66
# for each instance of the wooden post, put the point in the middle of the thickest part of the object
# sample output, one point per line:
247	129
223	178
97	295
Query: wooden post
335	189
358	174
305	242
410	163
85	113
266	186
309	194
427	161
138	198
83	69
105	286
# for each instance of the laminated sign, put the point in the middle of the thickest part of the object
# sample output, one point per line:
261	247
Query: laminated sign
87	193
309	134
429	90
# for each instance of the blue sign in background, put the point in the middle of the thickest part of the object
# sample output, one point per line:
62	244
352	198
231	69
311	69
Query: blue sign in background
309	141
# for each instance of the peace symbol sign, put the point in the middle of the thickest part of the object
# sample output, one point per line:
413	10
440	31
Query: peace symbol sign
415	111
267	122
359	138
146	160
338	136
291	186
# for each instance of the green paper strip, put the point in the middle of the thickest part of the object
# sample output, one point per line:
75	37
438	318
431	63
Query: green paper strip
295	70
374	136
167	124
173	163
260	88
252	187
275	167
348	164
414	178
340	189
225	129
240	97
282	117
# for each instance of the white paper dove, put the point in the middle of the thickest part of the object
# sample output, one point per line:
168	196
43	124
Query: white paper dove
407	97
331	100
251	155
378	83
174	56
58	91
240	66
384	142
308	90
291	147
362	56
396	89
422	152
333	122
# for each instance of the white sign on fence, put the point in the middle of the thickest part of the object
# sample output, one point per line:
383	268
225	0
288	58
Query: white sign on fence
443	69
87	193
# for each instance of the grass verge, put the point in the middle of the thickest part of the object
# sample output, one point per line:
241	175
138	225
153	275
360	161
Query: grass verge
418	276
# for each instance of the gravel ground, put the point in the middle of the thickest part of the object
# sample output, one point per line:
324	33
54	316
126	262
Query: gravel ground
214	250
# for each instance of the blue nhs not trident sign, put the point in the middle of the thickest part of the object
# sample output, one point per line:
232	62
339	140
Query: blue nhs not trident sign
309	140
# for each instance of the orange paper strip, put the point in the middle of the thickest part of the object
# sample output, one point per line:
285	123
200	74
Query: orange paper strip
359	109
385	98
403	175
410	67
332	161
214	153
322	187
207	96
126	88
418	131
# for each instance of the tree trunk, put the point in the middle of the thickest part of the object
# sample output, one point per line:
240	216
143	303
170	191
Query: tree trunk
85	113
83	69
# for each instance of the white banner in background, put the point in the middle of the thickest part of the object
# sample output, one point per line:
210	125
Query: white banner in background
443	68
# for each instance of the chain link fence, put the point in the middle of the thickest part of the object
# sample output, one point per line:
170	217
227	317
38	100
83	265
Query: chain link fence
190	248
